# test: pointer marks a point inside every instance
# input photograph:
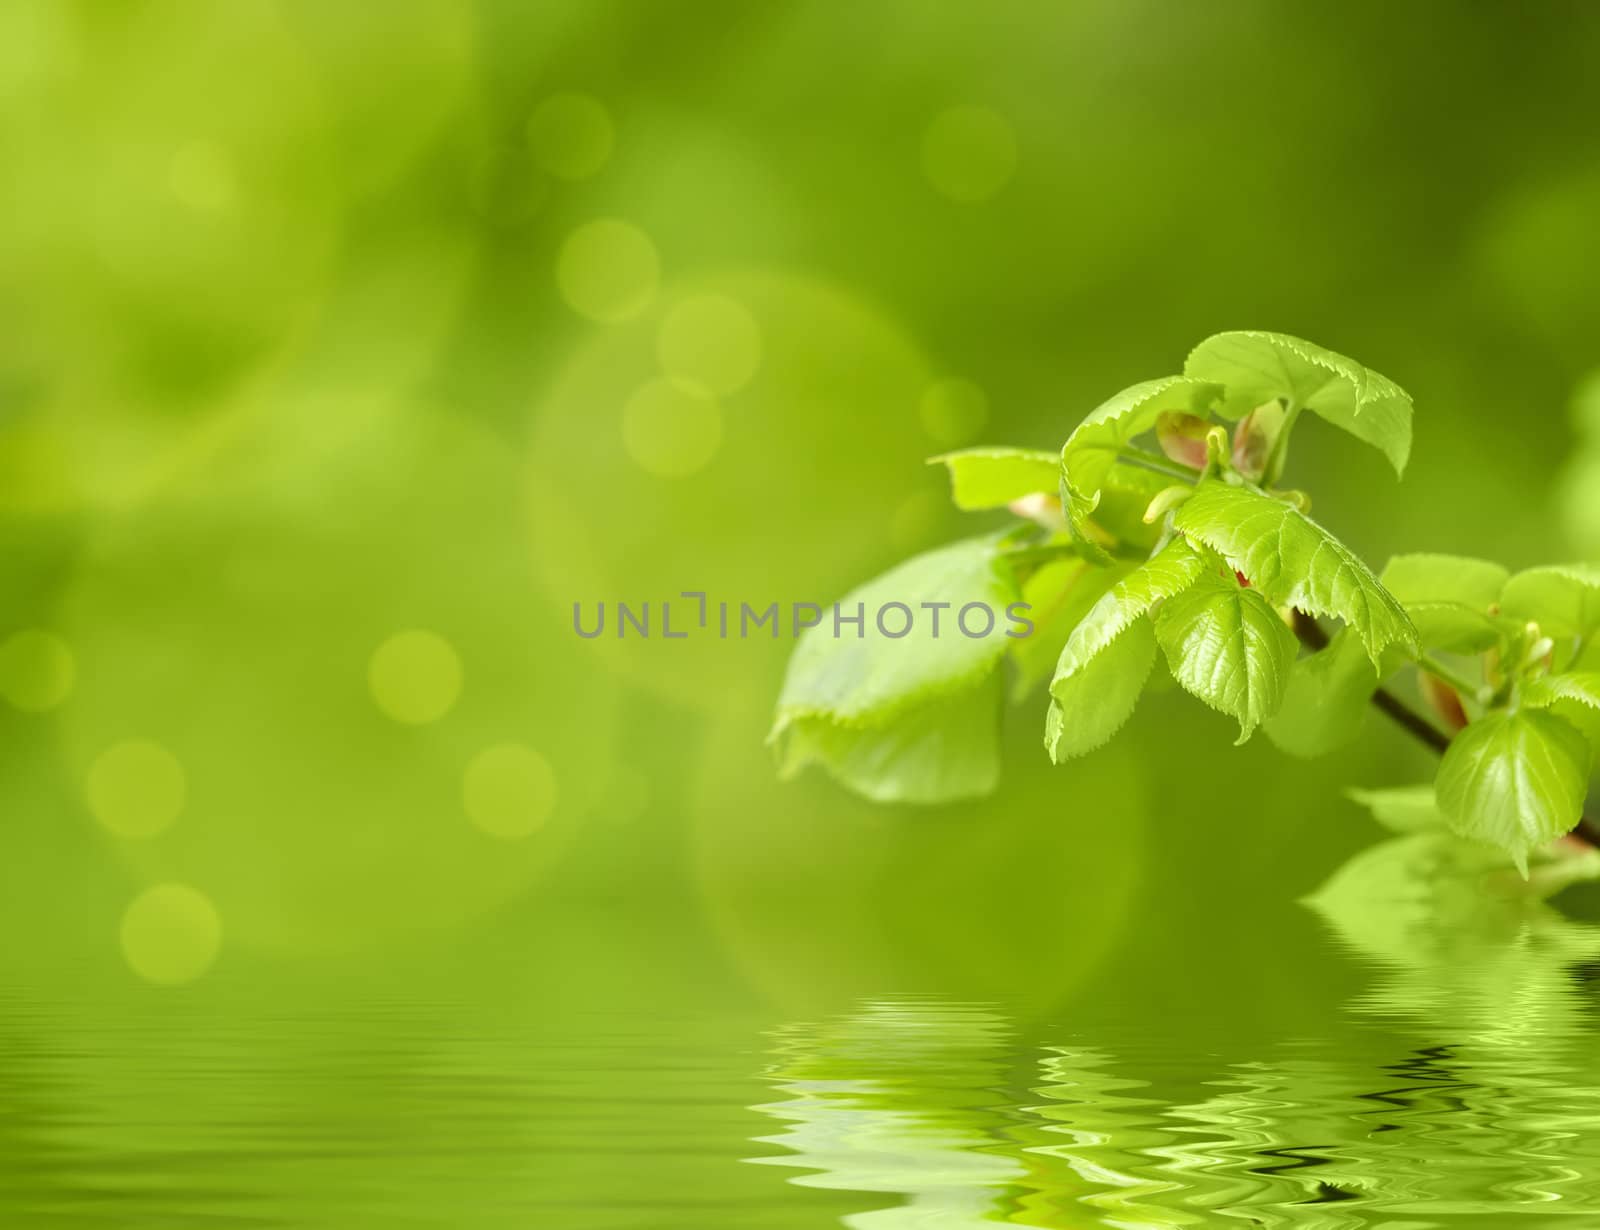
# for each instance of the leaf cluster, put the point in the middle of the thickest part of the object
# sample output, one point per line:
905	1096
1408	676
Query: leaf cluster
1161	531
1508	660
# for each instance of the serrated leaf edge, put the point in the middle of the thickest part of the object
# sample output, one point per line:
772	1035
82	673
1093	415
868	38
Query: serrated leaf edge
1346	559
1358	379
1246	730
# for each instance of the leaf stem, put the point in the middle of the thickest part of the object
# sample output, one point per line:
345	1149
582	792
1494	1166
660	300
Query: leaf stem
1273	470
1130	455
1312	636
1440	671
1040	554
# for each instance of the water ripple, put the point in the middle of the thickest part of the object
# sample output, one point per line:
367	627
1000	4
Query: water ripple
944	1108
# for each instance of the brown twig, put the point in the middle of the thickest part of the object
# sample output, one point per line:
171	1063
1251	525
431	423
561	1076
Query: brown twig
1312	636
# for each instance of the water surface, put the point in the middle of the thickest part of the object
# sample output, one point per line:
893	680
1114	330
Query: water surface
1458	1083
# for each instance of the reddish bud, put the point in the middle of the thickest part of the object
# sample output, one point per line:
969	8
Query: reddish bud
1042	509
1254	438
1183	438
1444	701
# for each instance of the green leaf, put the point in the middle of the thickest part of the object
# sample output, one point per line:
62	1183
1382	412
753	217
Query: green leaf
1226	645
1124	496
866	680
1402	809
1293	561
1091	450
1090	705
1107	658
1258	367
1449	598
908	718
1472	583
1172	570
1581	687
993	477
1573	697
1563	599
1058	596
1326	702
1515	780
941	751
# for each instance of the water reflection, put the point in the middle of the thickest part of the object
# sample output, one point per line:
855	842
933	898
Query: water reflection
896	1098
380	1113
1460	1085
1428	1070
1463	944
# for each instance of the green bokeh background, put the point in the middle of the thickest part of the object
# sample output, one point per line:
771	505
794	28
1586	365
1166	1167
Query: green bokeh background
287	367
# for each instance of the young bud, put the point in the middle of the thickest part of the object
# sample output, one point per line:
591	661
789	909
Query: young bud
1166	500
1217	450
1042	509
1254	438
1444	701
1183	438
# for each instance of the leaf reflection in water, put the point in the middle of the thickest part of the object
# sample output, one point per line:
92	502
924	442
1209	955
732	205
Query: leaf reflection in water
1459	1085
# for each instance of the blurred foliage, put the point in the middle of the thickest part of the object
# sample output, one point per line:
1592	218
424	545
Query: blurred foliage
325	324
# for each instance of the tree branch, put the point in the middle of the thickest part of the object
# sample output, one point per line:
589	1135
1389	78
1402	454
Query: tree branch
1312	636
